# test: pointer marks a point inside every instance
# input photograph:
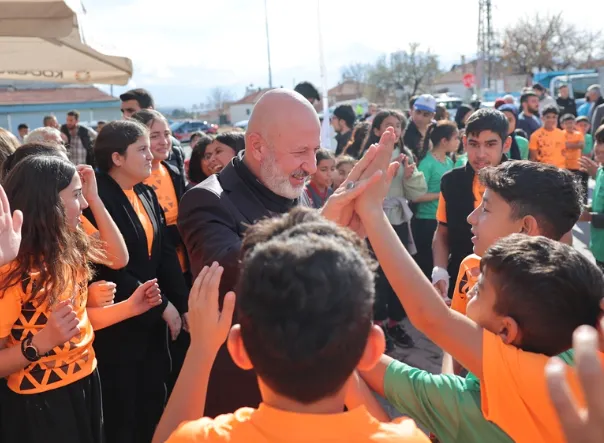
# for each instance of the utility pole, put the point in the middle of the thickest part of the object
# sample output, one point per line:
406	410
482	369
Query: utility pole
268	47
485	43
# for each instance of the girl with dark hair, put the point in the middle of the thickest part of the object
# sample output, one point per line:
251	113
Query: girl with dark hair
319	188
134	359
223	148
199	166
46	327
462	115
444	138
388	311
359	134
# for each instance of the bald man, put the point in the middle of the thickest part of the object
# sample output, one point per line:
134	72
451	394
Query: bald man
266	179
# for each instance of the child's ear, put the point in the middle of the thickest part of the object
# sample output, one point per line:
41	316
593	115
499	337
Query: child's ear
507	144
375	347
509	331
530	226
237	350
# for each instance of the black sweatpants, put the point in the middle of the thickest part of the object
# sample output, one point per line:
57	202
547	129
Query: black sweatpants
423	234
72	413
134	396
387	304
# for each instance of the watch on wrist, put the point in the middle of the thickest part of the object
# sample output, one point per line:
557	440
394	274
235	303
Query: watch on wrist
30	352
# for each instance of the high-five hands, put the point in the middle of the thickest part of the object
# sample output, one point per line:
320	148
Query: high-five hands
10	230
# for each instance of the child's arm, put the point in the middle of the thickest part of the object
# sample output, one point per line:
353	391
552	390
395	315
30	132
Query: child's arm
109	234
145	297
453	332
359	394
209	329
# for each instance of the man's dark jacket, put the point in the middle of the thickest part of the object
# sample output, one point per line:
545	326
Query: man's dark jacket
84	135
212	219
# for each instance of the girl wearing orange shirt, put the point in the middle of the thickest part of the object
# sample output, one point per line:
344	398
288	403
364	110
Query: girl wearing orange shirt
46	330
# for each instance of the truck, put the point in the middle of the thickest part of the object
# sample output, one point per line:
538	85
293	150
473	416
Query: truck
578	81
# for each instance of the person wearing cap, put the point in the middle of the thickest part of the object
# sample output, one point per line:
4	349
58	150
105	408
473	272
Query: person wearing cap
424	109
545	100
596	115
342	121
519	150
566	103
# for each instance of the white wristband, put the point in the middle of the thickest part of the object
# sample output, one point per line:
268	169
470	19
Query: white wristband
440	274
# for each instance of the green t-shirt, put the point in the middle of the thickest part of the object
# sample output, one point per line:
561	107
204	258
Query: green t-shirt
596	243
589	144
523	146
447	405
433	171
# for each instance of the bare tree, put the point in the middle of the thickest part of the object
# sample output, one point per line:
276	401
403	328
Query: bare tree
547	42
219	97
407	72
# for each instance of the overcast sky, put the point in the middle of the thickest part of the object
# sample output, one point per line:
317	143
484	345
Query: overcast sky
183	48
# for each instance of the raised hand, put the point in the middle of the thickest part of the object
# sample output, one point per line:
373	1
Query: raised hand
408	169
101	293
62	326
209	327
589	166
580	426
10	230
145	297
89	186
172	317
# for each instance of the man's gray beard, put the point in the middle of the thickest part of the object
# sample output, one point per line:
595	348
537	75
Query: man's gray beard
273	179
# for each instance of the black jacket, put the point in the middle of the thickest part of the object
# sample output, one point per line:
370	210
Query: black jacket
177	157
212	220
128	340
178	180
567	106
84	135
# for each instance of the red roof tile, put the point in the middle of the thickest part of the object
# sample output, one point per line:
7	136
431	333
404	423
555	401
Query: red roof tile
58	95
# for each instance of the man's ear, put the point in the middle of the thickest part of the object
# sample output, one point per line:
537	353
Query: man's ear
237	350
507	144
510	332
255	144
375	347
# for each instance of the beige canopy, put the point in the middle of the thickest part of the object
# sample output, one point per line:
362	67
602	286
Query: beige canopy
42	40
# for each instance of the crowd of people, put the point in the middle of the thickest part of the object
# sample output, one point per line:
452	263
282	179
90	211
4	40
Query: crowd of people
254	292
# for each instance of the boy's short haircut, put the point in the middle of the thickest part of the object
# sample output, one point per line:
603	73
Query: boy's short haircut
324	154
305	303
582	119
547	287
488	119
308	91
567	117
599	135
526	95
550	110
345	160
549	194
141	96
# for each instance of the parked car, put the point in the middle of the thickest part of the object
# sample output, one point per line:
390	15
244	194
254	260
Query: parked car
183	129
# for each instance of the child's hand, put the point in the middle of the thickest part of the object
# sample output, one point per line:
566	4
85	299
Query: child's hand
10	230
585	216
62	326
580	426
145	297
371	200
89	186
101	293
408	169
208	326
589	166
172	317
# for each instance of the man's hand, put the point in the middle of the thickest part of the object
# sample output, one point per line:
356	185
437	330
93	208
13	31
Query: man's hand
172	317
580	426
208	326
89	186
10	230
101	293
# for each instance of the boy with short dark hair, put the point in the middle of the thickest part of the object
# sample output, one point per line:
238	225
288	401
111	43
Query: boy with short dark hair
319	188
527	284
305	311
582	124
547	144
575	142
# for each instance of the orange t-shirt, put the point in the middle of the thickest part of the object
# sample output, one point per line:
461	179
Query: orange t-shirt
266	424
161	182
549	146
514	392
477	190
573	155
21	317
469	270
88	227
138	207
